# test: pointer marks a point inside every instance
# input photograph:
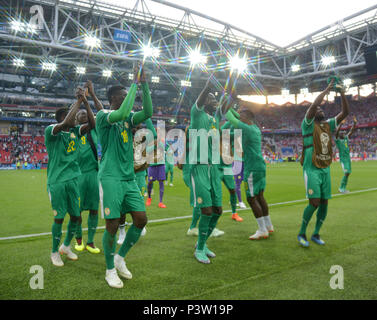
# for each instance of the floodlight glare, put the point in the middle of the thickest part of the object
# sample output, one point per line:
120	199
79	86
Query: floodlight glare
80	70
130	76
107	73
155	79
149	51
92	42
197	58
239	64
17	25
327	60
295	68
347	82
304	91
285	92
49	66
185	83
18	62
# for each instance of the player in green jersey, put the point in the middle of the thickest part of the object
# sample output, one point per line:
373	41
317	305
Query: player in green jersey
88	181
169	164
62	141
205	178
342	143
119	192
255	167
317	156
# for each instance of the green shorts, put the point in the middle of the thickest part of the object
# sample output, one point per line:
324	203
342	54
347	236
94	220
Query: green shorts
346	166
140	181
64	197
226	176
206	186
89	191
317	184
255	183
119	197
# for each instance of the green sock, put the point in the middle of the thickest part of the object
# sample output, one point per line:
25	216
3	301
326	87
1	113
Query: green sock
321	216
56	235
132	236
195	217
92	226
78	234
109	245
308	213
212	224
233	202
171	177
343	184
71	230
203	230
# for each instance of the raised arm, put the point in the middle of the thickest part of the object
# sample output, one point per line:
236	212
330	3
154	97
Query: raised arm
69	121
232	119
91	121
345	108
125	109
97	103
203	95
147	111
337	131
350	133
317	102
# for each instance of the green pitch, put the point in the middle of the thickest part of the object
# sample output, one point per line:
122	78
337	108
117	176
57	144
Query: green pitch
162	262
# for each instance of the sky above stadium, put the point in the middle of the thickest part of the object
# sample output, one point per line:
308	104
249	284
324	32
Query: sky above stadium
280	22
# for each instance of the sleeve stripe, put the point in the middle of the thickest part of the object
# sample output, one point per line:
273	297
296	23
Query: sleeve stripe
52	130
306	121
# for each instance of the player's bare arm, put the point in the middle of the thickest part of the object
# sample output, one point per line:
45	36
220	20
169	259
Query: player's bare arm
85	128
89	86
69	120
350	133
310	114
203	95
345	108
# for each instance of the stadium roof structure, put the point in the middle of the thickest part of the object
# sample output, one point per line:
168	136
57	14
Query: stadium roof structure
86	37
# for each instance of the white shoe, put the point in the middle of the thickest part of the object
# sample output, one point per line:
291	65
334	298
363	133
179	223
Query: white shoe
259	235
67	250
193	232
120	265
122	236
242	205
144	232
217	233
145	194
171	185
56	259
270	229
113	279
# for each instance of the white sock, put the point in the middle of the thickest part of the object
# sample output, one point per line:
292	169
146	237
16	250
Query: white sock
267	221
261	224
122	229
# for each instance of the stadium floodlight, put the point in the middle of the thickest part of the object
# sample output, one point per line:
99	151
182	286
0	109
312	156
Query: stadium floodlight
92	42
149	51
197	58
155	79
130	76
327	60
295	68
304	91
80	70
237	63
17	26
49	66
18	62
284	92
185	83
347	82
107	73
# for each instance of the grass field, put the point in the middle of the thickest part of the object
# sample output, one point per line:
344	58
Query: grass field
162	262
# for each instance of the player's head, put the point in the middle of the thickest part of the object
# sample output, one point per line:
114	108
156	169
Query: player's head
116	95
342	135
246	111
211	102
319	115
60	114
82	117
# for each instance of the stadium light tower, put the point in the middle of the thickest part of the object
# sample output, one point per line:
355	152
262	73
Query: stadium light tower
347	82
92	42
149	51
197	58
295	68
80	70
18	26
327	60
185	83
107	73
239	64
155	79
49	66
18	62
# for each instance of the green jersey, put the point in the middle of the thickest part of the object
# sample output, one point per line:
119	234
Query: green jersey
116	139
200	120
252	148
86	158
169	155
62	150
344	150
227	125
307	128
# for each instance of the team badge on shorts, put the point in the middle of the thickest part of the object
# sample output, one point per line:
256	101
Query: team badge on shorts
150	178
310	191
107	211
200	200
55	213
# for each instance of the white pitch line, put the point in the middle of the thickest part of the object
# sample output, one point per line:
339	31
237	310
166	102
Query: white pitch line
186	217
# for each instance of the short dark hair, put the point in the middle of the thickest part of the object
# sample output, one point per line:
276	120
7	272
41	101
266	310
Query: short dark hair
113	90
60	112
